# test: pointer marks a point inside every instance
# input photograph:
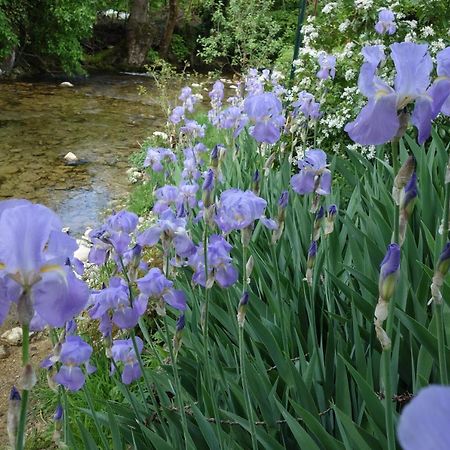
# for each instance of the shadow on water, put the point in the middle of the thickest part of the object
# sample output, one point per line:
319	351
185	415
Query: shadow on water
101	120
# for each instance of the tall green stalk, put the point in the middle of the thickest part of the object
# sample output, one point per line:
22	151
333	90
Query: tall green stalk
386	356
20	440
178	394
438	307
206	341
247	398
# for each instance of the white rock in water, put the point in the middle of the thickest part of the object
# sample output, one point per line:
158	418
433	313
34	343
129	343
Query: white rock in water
13	336
71	158
66	84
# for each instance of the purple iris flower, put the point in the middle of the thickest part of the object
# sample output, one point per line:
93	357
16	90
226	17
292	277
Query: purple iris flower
220	268
113	305
169	229
441	85
123	351
307	105
177	115
327	65
389	269
74	353
156	286
156	156
113	236
190	171
378	122
167	196
193	129
314	176
265	111
188	195
423	423
253	84
33	256
125	221
232	118
188	99
239	209
386	22
216	94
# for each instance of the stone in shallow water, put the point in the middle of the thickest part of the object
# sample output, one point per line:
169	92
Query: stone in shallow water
71	158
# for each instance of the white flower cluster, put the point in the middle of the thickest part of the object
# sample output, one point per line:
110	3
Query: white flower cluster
329	7
344	25
364	4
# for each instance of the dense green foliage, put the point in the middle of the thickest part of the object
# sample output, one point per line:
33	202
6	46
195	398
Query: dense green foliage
50	31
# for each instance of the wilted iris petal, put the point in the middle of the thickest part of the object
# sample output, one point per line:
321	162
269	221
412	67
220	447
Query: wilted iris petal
424	421
377	122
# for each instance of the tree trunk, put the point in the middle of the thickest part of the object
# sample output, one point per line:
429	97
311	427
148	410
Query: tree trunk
172	19
138	42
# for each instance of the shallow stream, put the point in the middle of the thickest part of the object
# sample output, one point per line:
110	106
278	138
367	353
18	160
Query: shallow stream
101	120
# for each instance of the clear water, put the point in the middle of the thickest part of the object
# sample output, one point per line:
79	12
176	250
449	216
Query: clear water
102	121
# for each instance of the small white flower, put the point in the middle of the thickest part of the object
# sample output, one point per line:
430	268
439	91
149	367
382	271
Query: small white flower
329	7
344	25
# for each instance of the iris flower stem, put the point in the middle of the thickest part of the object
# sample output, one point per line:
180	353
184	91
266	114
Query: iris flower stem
87	395
65	415
245	388
146	380
438	308
206	341
136	350
178	395
279	301
247	398
386	356
20	442
395	167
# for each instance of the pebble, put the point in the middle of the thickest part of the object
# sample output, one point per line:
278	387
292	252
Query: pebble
71	157
4	352
13	336
66	84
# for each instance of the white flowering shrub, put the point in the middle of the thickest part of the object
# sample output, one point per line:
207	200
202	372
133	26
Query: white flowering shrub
342	28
